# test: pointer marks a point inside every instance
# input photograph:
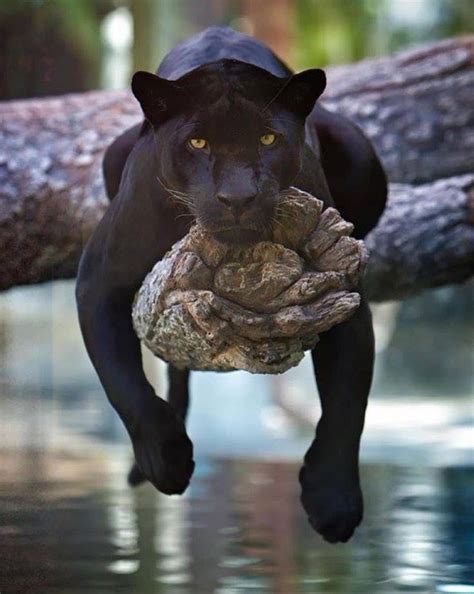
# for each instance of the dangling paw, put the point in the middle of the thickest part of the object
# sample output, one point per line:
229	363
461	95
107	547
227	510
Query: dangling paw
334	507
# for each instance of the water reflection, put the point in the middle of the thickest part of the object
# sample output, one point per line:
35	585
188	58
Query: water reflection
240	528
69	523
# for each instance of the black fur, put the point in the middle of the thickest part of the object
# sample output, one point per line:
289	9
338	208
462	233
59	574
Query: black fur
229	89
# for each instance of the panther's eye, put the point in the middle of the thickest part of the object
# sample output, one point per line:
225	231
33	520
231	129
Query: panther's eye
198	143
267	139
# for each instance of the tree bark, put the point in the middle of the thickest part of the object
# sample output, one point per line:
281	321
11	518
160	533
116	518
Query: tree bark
416	106
51	190
425	238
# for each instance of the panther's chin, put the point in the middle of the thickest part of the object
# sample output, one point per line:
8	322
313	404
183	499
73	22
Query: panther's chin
238	235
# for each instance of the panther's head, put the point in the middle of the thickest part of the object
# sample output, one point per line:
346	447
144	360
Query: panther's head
229	137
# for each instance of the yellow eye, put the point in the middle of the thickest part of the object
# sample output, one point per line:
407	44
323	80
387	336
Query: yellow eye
267	139
198	143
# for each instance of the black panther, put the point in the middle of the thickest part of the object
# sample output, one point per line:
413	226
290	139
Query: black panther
226	127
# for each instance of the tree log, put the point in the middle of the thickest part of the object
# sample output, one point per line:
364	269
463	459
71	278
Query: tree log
417	107
425	238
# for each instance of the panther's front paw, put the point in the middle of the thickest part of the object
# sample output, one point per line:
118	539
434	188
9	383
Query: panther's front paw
334	509
164	453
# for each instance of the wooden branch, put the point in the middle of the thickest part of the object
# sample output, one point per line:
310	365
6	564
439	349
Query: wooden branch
260	307
424	239
51	190
416	106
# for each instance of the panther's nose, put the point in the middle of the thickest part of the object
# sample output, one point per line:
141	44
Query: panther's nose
236	203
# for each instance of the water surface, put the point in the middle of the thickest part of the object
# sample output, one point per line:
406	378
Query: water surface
69	524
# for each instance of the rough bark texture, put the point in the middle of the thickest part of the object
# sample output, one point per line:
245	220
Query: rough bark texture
425	238
51	189
416	106
258	308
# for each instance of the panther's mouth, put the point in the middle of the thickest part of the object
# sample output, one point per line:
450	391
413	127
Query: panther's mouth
237	235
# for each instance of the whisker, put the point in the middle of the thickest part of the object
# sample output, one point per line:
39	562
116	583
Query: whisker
185	214
181	199
178	197
178	193
172	190
284	218
285	215
277	222
183	203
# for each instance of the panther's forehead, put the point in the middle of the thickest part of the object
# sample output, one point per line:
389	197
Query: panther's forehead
230	116
231	110
231	79
228	98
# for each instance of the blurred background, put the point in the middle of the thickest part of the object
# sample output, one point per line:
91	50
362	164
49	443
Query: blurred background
50	47
68	521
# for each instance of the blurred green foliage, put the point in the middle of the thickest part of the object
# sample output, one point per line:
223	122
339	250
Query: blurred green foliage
333	31
55	46
49	46
342	31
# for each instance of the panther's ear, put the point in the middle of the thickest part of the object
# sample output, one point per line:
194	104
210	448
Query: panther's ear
156	95
303	90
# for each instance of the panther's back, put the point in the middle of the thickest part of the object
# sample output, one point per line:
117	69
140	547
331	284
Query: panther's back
216	43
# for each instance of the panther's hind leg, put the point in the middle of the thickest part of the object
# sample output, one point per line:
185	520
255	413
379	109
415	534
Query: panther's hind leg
355	176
